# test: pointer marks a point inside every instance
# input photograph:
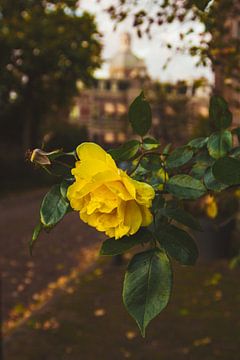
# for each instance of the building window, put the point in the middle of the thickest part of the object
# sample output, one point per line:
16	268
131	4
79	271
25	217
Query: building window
168	88
121	108
109	137
109	108
108	85
123	85
181	88
121	137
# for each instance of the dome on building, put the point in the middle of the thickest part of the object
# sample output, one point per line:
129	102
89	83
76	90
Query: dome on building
124	63
124	60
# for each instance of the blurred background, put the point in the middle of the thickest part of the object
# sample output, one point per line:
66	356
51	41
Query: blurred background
68	72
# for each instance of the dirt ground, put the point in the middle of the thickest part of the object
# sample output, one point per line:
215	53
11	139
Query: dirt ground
67	246
56	310
87	320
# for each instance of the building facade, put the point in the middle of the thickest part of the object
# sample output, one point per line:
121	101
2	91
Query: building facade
103	108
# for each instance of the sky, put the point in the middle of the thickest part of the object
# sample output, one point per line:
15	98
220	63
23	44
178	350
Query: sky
155	54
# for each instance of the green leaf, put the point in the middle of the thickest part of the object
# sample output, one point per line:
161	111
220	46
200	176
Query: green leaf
53	207
150	143
158	202
211	183
219	113
198	143
204	158
139	173
112	246
182	217
227	171
219	144
64	187
198	170
126	151
179	157
147	286
151	162
35	235
202	162
167	149
185	187
201	4
178	244
140	115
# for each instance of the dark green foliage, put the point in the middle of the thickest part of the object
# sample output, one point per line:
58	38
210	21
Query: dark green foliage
150	143
152	162
35	235
186	187
206	165
219	144
218	45
125	152
227	171
178	244
211	183
198	143
198	170
179	157
46	46
112	246
64	187
181	216
147	286
140	115
219	113
54	207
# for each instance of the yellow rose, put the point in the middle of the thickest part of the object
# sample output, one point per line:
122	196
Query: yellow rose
105	196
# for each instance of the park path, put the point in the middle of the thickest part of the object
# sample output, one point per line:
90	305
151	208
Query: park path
70	245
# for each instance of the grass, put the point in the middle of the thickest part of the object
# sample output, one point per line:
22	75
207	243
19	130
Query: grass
88	321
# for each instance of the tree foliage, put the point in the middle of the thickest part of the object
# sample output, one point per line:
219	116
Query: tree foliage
215	45
46	46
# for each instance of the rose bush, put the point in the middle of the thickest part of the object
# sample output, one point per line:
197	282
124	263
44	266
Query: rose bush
147	206
105	196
